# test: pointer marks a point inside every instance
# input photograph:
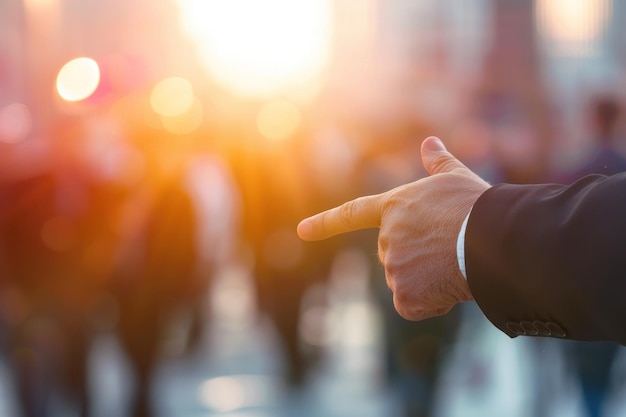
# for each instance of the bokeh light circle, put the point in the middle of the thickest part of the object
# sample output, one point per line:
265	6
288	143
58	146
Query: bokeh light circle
78	79
172	96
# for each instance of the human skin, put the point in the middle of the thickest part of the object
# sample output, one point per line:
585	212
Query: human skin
419	224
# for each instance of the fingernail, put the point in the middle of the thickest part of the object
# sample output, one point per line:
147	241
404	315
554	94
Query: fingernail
434	144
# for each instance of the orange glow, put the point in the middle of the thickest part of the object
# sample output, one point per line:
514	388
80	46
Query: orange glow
261	47
278	119
187	122
16	123
40	4
57	234
78	79
172	96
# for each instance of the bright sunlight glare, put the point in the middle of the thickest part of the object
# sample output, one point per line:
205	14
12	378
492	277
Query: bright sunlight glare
78	79
261	47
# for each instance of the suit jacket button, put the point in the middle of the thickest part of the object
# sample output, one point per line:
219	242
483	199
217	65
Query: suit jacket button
556	330
515	328
542	328
529	328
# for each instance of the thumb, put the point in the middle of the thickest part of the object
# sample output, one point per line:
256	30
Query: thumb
437	159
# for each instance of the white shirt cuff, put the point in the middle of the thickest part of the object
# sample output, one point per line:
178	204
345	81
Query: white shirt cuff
460	246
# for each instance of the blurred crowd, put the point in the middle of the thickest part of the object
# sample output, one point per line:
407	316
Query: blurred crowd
115	218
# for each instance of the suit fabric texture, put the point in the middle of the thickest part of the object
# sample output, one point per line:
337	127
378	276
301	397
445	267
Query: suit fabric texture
550	260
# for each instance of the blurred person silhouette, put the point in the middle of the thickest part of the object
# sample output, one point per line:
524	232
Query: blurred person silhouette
593	364
276	190
109	236
157	275
217	204
604	114
179	229
519	131
57	250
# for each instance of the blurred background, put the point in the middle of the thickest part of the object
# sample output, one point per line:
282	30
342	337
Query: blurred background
156	156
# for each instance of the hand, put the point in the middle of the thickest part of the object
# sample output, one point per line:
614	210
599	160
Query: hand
419	225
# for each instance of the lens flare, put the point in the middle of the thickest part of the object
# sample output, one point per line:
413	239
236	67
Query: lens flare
78	79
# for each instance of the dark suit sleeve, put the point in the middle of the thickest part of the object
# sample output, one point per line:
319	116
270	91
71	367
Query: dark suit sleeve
550	260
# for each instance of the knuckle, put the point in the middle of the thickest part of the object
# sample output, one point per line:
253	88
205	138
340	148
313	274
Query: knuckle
405	310
404	297
400	307
389	198
413	300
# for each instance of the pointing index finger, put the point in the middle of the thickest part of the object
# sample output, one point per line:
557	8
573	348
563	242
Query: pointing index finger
362	213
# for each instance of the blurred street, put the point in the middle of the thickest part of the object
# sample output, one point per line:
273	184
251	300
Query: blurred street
235	372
